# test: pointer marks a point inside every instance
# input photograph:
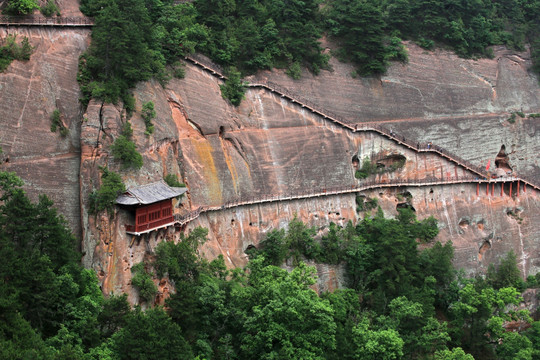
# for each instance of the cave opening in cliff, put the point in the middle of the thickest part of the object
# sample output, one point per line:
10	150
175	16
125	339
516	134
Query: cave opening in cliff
355	162
464	222
502	162
485	247
405	205
391	162
404	195
221	131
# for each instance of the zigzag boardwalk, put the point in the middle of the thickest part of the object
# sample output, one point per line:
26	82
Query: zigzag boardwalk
327	115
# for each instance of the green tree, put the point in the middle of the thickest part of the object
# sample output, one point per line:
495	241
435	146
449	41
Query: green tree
20	7
300	240
125	150
346	304
48	304
331	245
506	274
374	344
124	50
454	354
105	196
360	27
234	87
514	346
533	333
274	247
148	114
285	319
150	335
142	280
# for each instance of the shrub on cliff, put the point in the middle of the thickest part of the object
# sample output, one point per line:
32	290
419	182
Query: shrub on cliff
12	51
233	89
105	196
56	123
142	280
50	8
172	180
125	150
148	114
20	7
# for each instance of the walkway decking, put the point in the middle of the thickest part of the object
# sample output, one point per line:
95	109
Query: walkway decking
320	192
36	20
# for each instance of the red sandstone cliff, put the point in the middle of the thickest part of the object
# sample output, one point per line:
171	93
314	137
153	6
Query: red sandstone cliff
271	146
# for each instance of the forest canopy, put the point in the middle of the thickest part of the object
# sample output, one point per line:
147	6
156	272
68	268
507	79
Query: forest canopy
135	40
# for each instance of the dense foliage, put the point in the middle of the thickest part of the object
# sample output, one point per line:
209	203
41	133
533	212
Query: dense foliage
135	40
20	7
401	303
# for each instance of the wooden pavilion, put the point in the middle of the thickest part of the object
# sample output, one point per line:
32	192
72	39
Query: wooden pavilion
152	205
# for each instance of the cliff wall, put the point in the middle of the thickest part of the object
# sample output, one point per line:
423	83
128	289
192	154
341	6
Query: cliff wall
29	93
271	146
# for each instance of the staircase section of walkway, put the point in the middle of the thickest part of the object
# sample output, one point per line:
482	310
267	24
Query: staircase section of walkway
327	115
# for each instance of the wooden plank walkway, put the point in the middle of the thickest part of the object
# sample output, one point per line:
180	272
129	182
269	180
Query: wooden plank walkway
261	199
35	20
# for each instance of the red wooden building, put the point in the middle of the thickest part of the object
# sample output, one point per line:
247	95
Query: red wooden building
152	205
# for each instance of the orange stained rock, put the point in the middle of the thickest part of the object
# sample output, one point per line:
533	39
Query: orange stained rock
230	164
203	151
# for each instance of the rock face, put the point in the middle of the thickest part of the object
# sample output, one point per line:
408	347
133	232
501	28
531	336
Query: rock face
271	146
29	93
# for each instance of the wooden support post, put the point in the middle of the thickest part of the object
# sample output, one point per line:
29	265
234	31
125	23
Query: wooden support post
518	188
510	192
492	189
502	188
487	189
524	187
477	189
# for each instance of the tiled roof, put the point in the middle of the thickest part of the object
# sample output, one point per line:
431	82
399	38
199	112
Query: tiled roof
148	194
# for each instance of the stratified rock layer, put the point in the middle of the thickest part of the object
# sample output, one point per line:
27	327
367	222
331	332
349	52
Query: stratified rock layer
29	93
270	146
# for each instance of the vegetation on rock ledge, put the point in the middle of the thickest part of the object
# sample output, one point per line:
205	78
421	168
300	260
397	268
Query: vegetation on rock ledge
10	51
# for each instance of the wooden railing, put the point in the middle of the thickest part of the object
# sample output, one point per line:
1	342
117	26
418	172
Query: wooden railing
149	226
36	20
339	190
